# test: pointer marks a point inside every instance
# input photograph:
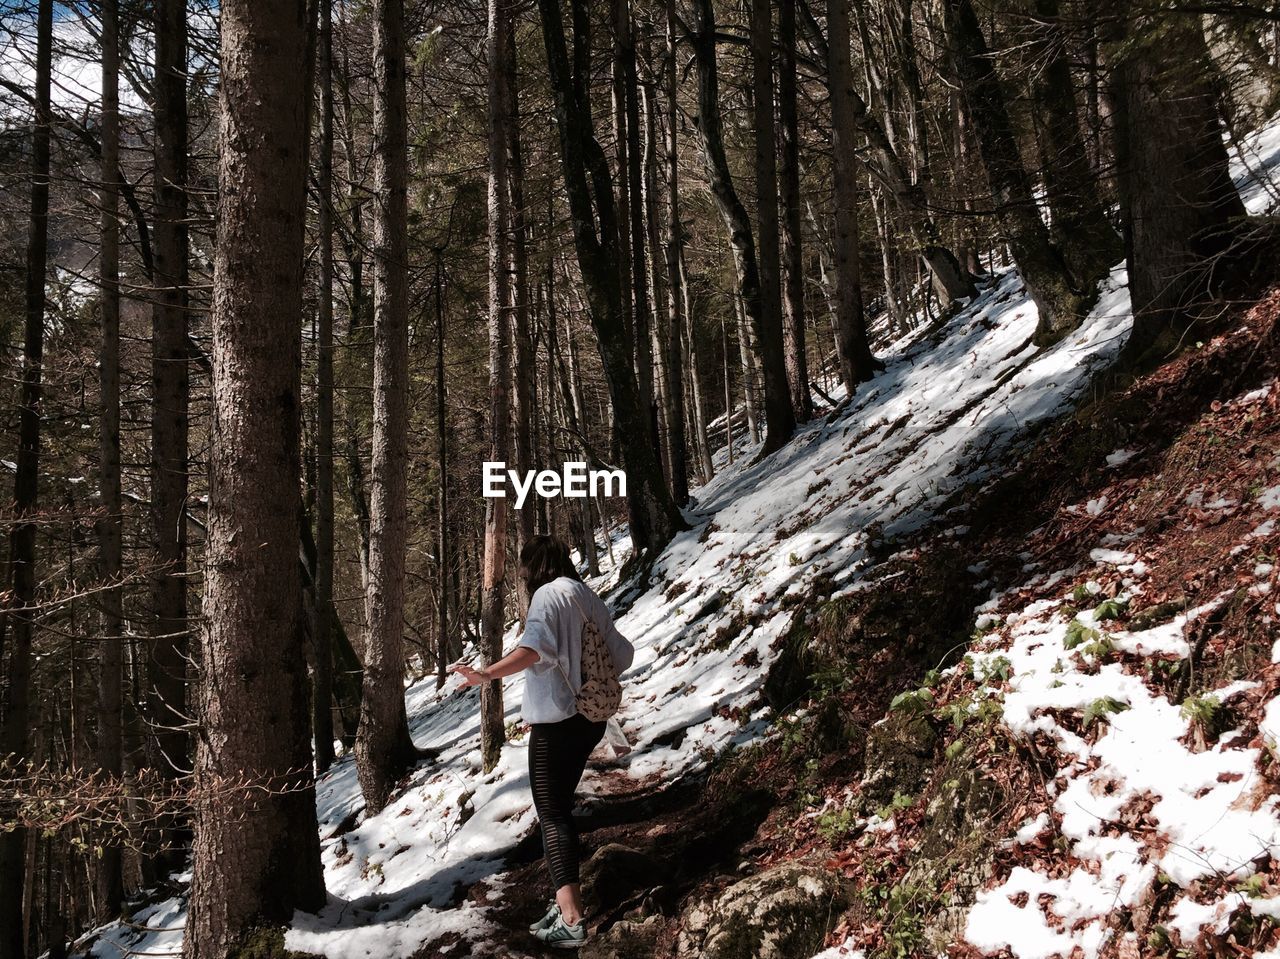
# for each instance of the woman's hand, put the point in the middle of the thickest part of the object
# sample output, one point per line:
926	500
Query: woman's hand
470	677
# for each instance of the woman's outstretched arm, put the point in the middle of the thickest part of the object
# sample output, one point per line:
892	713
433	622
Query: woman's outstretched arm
518	659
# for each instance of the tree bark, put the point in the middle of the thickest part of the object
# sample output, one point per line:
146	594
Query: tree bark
444	561
493	615
659	326
111	657
322	693
384	748
797	363
641	310
170	383
677	317
852	346
1062	300
1180	208
695	382
759	296
654	515
15	730
522	406
1079	225
779	414
262	863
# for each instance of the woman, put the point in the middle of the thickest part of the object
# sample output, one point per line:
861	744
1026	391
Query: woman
561	739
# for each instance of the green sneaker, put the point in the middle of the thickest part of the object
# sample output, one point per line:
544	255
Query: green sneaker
560	935
553	913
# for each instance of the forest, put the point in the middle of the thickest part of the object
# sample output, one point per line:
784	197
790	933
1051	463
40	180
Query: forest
881	335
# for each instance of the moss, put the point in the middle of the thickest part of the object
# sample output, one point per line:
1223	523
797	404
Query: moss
264	942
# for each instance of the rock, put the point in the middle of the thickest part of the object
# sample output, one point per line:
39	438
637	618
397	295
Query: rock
781	913
899	759
614	873
624	940
956	850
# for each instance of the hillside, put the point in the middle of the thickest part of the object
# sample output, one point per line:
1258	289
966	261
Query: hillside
1143	759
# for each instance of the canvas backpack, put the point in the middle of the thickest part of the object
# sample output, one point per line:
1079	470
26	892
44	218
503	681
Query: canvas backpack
601	693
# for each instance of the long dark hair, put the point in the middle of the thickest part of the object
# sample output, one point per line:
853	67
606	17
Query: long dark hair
543	559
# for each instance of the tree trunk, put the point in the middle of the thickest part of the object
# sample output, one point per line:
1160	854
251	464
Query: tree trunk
262	863
111	657
1179	205
677	317
167	663
641	311
1061	299
493	616
659	326
695	382
797	363
853	348
950	281
654	515
384	748
746	353
779	415
322	693
759	296
15	731
444	561
1079	225
522	405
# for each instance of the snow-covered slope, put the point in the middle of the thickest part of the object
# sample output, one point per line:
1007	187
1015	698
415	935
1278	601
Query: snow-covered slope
950	409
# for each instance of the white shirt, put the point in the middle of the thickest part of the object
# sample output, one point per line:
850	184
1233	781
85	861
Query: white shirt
553	630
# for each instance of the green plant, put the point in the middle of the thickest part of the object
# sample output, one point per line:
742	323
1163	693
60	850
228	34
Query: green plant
1098	648
897	804
833	615
913	702
995	669
956	712
1101	709
835	824
1110	609
1202	711
1254	887
1078	634
793	731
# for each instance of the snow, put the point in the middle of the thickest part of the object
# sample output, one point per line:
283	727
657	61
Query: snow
952	408
842	951
1135	800
949	410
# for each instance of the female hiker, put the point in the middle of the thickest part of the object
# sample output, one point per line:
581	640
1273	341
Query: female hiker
572	654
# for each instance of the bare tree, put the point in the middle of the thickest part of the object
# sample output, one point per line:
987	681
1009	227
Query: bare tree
792	242
322	692
854	349
1181	209
384	747
111	657
1060	296
654	515
20	611
493	612
780	420
167	710
263	863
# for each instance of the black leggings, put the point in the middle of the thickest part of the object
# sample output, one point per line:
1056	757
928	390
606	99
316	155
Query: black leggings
557	756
